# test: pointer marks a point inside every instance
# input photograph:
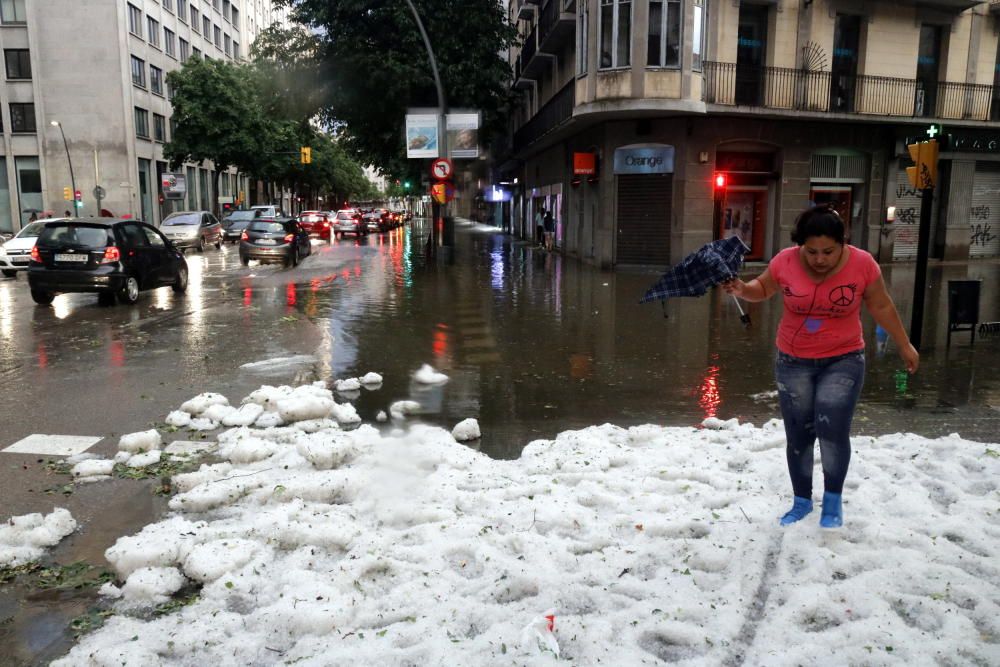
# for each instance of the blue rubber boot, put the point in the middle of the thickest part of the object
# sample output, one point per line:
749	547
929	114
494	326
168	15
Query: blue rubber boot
833	514
800	509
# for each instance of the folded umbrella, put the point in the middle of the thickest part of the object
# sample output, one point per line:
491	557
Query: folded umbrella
714	263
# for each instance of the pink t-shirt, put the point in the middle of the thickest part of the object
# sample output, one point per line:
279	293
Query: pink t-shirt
822	319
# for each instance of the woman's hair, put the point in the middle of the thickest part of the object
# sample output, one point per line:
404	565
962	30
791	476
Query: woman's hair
822	220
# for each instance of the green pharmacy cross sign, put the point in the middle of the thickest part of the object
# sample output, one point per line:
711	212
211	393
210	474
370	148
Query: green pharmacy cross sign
933	131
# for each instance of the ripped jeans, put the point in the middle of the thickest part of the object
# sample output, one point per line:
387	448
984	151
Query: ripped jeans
817	399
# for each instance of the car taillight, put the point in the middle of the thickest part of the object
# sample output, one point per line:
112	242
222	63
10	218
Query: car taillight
111	254
35	255
289	238
244	237
326	223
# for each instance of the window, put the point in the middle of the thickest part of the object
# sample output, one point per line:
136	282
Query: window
185	49
229	45
582	32
173	127
18	63
139	72
236	18
698	41
197	53
206	27
664	45
22	117
168	5
156	79
218	37
227	10
153	237
159	127
194	18
616	33
153	31
169	42
141	123
135	20
12	11
215	4
170	90
236	50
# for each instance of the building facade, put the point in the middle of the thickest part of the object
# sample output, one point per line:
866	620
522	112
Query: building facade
98	70
650	127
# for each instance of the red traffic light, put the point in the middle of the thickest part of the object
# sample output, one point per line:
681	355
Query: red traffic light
719	180
78	195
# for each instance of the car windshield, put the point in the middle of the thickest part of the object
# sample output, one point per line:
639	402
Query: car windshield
182	219
268	227
344	216
74	235
32	231
242	215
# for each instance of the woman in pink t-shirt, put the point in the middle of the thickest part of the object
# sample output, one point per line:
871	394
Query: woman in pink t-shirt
820	364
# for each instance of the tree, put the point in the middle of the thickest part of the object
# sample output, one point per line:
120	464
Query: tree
216	117
371	65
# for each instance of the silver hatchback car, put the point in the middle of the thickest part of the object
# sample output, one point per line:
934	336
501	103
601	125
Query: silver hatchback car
192	229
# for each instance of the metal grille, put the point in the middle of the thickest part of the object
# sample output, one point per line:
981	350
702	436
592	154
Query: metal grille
984	214
824	166
644	219
851	166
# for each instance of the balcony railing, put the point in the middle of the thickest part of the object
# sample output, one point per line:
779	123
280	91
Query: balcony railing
555	112
805	90
555	26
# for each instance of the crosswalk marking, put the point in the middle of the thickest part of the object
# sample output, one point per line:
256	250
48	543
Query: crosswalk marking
53	445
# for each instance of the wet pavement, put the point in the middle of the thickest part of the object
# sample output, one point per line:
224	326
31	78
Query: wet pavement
534	344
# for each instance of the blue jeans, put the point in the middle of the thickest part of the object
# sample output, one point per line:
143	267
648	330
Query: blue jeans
817	399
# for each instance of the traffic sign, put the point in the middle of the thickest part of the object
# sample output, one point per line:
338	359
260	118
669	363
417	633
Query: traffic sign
442	192
442	169
99	192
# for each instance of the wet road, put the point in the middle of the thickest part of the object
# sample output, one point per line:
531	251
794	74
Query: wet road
534	344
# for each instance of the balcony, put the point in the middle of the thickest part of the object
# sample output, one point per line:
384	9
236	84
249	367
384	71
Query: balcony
553	114
786	89
556	26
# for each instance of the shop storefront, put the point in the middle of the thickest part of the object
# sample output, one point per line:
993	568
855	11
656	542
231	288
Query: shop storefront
644	194
744	190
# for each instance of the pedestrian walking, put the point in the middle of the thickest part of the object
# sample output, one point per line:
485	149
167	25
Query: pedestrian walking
549	229
820	362
540	225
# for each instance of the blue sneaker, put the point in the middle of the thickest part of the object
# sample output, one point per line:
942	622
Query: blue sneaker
800	509
833	514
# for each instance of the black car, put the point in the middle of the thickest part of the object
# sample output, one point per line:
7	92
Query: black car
234	224
272	240
109	256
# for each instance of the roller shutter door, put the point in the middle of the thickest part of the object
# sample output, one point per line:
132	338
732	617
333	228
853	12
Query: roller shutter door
984	216
643	217
907	223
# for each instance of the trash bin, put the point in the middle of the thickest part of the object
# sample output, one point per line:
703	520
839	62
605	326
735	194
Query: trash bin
963	307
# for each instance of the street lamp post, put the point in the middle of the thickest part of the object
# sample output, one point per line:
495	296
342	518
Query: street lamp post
72	178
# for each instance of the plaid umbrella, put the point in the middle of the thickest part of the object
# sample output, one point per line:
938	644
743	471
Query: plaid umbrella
713	263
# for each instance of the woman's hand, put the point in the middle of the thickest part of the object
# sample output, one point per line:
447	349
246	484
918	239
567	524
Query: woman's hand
734	287
910	357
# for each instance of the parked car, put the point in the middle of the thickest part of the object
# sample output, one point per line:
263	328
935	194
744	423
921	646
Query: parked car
234	224
109	256
316	224
16	253
192	229
273	240
348	221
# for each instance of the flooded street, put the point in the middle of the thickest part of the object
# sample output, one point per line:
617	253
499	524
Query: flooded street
533	343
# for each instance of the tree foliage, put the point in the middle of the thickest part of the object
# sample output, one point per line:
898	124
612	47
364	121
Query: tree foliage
370	64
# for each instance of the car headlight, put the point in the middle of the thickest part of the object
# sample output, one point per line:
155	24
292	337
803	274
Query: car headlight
3	251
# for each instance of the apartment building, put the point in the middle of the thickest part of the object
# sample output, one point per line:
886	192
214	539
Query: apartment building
95	72
651	127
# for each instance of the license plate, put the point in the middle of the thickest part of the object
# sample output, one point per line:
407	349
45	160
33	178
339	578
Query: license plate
61	257
266	242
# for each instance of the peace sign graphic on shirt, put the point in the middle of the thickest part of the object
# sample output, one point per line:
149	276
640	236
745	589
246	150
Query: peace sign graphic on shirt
843	295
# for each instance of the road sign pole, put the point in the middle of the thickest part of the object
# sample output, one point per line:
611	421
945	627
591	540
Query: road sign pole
920	279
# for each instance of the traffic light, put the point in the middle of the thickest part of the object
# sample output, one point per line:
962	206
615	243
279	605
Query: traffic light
68	194
923	173
406	185
78	196
719	181
305	155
